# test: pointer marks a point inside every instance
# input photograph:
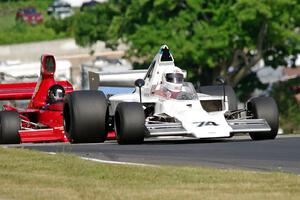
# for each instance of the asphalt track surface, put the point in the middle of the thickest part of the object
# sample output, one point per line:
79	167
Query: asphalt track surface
281	154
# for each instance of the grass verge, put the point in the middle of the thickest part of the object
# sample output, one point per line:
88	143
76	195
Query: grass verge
26	174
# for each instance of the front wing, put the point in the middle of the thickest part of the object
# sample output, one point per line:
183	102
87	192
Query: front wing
43	135
235	126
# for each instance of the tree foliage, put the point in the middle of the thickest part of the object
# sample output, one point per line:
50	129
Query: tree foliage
208	38
288	105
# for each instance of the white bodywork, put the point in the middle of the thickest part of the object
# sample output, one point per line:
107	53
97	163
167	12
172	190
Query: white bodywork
188	117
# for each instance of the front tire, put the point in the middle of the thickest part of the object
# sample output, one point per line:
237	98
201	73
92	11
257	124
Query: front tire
264	108
130	123
85	116
9	127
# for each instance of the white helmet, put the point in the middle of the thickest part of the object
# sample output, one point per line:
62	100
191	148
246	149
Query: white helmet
172	79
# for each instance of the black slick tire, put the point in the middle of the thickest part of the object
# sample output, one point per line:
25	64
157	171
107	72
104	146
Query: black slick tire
85	116
130	123
264	108
9	127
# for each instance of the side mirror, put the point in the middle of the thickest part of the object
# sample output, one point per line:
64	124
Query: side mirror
221	80
139	83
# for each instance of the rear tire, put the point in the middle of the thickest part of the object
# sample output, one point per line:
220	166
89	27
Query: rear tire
264	108
217	90
9	127
130	123
85	116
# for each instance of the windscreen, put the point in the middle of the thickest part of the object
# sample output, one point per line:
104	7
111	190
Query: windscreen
188	92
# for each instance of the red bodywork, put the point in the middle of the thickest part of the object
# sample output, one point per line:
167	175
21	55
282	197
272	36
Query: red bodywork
29	15
42	120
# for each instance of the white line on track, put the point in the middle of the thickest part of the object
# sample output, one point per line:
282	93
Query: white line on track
116	162
110	162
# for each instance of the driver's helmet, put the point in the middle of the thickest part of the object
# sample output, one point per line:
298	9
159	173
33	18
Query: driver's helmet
56	93
172	79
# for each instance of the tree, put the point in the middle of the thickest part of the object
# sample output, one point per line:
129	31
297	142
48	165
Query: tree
287	105
208	38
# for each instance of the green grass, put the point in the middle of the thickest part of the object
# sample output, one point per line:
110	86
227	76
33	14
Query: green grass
27	174
13	33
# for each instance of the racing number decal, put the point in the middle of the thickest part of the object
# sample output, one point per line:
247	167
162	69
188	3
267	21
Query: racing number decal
208	123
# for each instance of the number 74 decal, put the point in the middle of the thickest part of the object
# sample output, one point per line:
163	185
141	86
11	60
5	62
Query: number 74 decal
206	123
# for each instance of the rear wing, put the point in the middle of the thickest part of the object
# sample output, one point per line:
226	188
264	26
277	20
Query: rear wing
121	79
21	91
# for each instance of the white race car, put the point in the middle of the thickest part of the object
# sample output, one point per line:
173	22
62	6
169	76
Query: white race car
162	104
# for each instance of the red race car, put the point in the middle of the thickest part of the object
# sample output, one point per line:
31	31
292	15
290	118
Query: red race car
29	15
42	120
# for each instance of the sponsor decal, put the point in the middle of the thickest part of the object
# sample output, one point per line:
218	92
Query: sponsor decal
206	123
